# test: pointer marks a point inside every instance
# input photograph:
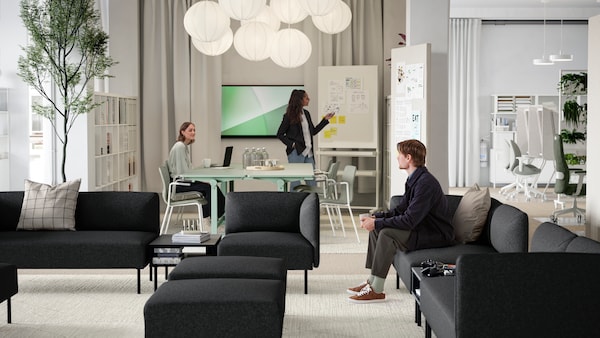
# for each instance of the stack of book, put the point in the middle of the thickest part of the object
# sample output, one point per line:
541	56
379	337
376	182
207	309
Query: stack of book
167	256
190	237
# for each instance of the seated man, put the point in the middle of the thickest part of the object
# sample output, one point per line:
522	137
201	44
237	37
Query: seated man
420	221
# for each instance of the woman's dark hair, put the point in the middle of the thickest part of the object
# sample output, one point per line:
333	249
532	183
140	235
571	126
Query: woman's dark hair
414	148
294	108
183	127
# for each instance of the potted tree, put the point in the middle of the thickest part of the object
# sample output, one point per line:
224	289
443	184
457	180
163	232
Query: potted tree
67	47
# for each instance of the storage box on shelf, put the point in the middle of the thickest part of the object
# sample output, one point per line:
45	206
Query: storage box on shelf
116	153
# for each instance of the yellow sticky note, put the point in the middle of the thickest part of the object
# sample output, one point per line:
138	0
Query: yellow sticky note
327	134
333	131
342	119
333	120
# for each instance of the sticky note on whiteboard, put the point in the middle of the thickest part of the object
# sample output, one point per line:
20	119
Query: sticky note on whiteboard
342	119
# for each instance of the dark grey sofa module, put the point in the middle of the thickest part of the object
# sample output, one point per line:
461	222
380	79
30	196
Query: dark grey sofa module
113	230
230	267
273	224
506	230
215	307
535	294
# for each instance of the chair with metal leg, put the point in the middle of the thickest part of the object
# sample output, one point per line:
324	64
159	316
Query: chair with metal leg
341	196
562	186
174	199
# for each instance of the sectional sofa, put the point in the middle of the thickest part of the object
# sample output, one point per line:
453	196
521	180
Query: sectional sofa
112	230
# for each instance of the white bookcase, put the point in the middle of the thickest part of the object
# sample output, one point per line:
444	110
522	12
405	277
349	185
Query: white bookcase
504	128
114	141
4	141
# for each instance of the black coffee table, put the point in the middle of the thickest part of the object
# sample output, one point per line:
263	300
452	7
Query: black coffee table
165	242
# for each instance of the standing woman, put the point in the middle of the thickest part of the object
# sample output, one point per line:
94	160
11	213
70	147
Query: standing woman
296	131
180	162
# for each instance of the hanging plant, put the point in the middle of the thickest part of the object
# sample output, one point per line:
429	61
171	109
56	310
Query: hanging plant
573	84
571	137
572	112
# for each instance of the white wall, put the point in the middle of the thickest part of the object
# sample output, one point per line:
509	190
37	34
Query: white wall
14	36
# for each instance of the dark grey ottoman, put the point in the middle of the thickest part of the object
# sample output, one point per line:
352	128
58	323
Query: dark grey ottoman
215	307
8	285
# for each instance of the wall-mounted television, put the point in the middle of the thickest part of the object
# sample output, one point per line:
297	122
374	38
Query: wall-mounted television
253	111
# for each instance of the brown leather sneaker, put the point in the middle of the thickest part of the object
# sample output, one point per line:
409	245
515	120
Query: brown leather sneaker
367	295
355	290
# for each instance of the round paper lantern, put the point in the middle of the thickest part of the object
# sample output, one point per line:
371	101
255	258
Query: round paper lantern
253	41
288	11
242	9
318	7
291	48
336	21
217	47
206	21
266	16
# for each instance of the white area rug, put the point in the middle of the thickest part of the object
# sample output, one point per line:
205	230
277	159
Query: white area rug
103	306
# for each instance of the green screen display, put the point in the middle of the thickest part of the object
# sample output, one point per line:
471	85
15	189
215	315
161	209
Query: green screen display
253	111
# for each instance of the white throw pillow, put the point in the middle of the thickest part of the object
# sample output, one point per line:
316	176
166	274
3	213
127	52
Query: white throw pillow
471	214
47	207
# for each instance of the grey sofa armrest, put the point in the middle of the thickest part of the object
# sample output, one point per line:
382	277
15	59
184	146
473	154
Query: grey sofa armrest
310	223
509	229
527	295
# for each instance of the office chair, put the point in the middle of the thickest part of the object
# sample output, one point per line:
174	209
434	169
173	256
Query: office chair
526	174
174	199
341	195
562	184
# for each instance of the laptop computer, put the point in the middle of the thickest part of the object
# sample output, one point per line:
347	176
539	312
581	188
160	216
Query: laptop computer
226	159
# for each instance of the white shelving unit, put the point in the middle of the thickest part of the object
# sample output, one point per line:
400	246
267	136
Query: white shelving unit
4	141
504	128
114	137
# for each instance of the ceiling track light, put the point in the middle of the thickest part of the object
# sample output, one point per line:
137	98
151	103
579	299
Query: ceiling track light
560	57
544	61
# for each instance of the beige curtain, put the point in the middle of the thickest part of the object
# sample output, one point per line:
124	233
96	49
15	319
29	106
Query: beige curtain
180	84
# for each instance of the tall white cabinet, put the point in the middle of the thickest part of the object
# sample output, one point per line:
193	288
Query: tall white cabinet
113	144
4	141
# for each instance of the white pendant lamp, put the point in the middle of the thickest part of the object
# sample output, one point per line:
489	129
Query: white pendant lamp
266	16
560	57
242	9
253	41
291	48
206	21
217	47
336	21
544	61
288	11
318	7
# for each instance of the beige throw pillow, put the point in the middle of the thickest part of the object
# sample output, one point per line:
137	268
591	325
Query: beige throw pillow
471	214
47	207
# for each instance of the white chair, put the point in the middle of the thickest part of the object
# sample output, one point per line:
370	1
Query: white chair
526	174
340	195
174	199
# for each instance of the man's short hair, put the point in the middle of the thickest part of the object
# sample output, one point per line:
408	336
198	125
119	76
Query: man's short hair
414	148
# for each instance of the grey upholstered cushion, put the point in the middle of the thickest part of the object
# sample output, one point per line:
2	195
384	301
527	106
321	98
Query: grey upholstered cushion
549	237
509	229
47	207
437	301
230	267
583	245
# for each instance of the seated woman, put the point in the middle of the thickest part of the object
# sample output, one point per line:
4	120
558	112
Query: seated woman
180	162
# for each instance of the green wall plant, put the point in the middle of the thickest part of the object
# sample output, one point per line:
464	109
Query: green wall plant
67	48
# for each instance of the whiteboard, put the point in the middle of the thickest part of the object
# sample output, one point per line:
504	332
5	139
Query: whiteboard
352	93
